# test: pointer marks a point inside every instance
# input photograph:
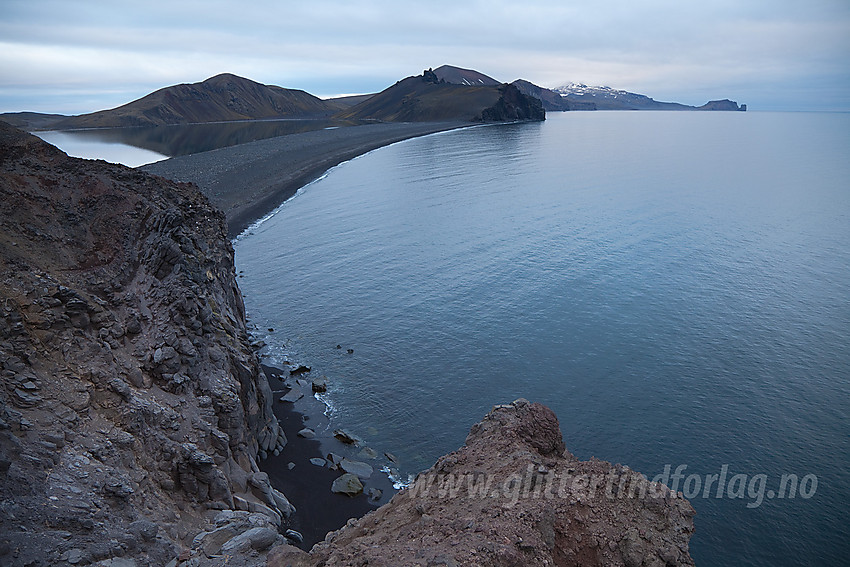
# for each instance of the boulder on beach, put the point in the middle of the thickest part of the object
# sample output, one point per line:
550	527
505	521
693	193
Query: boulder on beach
292	395
347	484
361	469
307	433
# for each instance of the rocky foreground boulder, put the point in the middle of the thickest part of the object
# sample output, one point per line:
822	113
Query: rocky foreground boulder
132	408
513	496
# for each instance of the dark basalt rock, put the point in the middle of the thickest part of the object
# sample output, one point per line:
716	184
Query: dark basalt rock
299	370
514	105
129	386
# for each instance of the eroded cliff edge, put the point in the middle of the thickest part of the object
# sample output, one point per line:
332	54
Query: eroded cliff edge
513	496
132	406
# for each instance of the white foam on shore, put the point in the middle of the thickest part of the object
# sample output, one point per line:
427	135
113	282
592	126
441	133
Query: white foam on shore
276	354
330	409
397	479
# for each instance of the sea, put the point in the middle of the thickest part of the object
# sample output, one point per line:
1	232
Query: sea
674	285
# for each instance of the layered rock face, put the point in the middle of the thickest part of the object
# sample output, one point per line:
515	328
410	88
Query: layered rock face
513	496
514	105
132	408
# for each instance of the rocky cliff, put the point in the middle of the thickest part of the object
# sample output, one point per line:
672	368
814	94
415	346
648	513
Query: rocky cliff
429	98
513	105
132	409
514	496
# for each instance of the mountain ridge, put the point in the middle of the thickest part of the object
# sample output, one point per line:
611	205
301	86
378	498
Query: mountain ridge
221	98
467	77
227	97
430	98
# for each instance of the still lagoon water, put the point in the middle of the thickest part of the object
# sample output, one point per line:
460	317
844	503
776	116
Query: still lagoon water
676	286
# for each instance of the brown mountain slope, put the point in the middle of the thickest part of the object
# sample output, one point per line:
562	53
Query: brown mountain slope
131	402
31	120
428	99
346	102
221	98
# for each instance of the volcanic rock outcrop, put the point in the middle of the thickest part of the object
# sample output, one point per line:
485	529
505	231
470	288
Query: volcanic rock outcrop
514	496
132	409
430	98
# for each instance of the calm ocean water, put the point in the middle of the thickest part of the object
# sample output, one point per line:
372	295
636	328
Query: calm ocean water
676	286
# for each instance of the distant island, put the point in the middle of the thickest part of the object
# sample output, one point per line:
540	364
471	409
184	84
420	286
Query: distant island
606	98
446	93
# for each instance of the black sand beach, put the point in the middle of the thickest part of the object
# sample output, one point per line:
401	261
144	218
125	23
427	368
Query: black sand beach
307	485
250	180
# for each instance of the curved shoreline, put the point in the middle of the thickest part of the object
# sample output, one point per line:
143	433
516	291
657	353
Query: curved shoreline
250	180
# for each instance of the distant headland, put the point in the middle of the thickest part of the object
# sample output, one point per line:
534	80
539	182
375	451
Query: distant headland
446	93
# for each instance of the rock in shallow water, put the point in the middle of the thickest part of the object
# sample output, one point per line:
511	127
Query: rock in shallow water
361	469
346	437
347	484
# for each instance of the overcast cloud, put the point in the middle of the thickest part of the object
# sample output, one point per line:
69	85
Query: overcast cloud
81	56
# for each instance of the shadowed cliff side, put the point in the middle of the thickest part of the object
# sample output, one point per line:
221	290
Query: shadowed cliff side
427	98
551	100
132	409
514	496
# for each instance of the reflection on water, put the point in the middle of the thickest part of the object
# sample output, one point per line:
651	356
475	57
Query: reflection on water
183	139
89	147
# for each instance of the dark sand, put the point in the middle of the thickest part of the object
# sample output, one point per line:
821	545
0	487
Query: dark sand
308	486
250	180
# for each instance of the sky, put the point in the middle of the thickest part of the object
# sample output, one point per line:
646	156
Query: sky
79	56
